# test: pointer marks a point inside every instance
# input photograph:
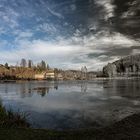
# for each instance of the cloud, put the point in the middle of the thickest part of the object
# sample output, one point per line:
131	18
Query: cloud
3	43
67	34
71	53
108	8
105	39
9	16
47	27
23	34
55	13
73	7
37	50
126	19
132	10
128	14
2	30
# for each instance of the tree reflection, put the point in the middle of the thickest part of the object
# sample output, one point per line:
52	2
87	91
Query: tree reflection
45	90
123	88
83	86
28	89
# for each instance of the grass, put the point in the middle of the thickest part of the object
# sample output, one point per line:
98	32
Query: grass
13	126
10	119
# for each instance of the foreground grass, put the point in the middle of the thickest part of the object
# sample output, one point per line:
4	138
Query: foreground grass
13	126
127	129
9	119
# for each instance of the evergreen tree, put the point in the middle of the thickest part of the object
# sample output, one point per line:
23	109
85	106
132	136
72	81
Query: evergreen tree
6	66
23	63
43	65
30	63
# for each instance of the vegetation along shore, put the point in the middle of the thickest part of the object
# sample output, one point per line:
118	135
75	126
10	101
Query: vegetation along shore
14	126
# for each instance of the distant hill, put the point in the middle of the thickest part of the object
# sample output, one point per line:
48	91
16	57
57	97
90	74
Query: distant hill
127	66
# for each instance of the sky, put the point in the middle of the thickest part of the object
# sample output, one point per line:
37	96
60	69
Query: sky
69	34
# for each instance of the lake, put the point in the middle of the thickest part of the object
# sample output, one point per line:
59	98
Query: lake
65	105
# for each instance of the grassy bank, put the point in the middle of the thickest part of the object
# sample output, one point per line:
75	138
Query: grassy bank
13	126
127	129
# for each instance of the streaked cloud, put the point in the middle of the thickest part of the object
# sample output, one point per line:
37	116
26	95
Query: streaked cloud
55	13
107	8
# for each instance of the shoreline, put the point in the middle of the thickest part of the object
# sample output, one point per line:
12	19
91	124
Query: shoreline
98	78
116	78
128	128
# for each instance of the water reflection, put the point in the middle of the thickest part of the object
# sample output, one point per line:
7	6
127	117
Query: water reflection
73	104
123	88
27	89
83	87
42	90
